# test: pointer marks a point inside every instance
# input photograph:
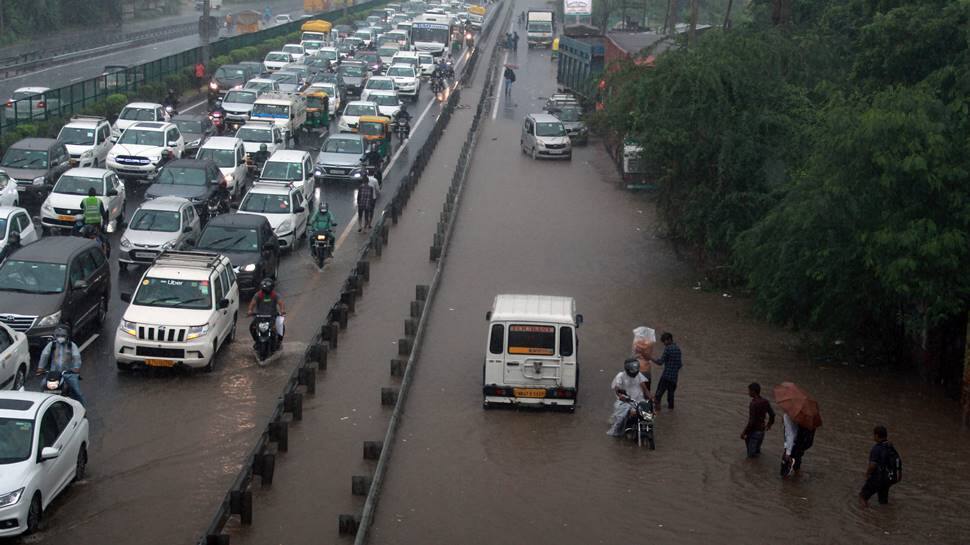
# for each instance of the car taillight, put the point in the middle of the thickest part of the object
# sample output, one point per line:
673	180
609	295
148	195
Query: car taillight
10	103
561	393
41	104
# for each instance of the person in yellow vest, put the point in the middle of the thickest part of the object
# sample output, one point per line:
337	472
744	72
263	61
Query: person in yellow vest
93	210
555	48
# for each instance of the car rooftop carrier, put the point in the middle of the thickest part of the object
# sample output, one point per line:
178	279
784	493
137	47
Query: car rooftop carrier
81	117
193	260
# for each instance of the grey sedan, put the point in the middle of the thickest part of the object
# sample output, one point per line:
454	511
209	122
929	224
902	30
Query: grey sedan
340	157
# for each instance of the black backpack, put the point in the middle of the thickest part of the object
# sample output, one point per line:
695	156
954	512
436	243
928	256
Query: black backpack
893	468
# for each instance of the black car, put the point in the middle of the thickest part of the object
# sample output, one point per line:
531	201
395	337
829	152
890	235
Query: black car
250	244
35	164
372	60
354	74
195	129
317	64
198	180
226	77
56	280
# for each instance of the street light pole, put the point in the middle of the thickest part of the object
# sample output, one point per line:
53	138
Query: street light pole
205	30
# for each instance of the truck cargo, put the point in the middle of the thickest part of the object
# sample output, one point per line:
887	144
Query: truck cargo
476	16
315	6
539	27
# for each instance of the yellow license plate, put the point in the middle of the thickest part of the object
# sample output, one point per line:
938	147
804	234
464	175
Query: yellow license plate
66	218
528	392
160	363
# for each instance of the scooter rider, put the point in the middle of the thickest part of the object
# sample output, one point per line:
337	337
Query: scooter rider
268	302
61	354
628	385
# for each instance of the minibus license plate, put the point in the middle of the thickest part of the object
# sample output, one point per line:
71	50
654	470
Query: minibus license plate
160	363
529	392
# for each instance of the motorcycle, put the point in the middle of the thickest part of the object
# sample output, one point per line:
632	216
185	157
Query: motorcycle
170	111
437	84
216	207
639	425
267	340
403	129
54	383
321	247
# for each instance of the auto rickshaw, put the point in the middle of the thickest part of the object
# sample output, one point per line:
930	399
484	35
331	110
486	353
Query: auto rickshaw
317	115
376	128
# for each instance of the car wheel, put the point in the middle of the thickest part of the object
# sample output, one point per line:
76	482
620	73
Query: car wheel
534	154
522	147
232	332
123	366
102	311
20	378
34	514
80	468
120	222
122	266
211	366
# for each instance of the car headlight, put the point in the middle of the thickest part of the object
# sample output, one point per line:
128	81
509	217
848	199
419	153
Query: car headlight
154	158
540	144
318	172
50	319
197	331
249	268
230	178
88	154
11	498
38	180
47	207
130	328
166	246
214	86
125	243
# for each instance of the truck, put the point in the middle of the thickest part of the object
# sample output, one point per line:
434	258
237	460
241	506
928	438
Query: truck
286	111
476	16
311	7
539	28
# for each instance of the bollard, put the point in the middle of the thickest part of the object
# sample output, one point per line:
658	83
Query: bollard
437	240
324	352
397	367
264	465
241	503
359	485
357	285
344	315
347	524
334	332
410	327
308	377
417	307
363	270
376	247
348	300
440	230
220	539
385	231
293	404
340	317
315	349
404	346
279	434
388	396
435	253
372	450
421	292
395	211
443	218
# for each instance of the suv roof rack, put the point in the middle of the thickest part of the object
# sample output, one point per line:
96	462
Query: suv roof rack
81	117
194	260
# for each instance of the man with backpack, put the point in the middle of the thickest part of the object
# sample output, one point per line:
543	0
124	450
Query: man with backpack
885	468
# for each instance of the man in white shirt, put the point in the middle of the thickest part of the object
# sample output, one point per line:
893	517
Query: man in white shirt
628	385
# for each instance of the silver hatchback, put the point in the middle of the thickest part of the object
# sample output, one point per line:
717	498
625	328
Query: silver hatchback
165	223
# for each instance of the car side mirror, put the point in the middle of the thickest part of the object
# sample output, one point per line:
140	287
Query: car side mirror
299	209
223	303
187	229
172	144
579	320
80	285
49	453
112	192
488	315
269	246
126	297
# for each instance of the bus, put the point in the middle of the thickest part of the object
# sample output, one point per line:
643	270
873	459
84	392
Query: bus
431	33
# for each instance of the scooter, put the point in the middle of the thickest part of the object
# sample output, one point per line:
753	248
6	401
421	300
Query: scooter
639	426
267	340
54	383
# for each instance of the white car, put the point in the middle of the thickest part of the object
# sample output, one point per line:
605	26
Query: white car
14	358
14	219
296	51
262	85
387	51
405	79
45	443
283	205
276	59
144	148
290	167
165	223
426	64
8	190
332	92
135	112
87	139
365	35
332	54
377	83
256	133
388	103
62	208
353	111
284	18
31	102
229	154
311	46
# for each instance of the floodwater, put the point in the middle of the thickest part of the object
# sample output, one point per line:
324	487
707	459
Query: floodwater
460	474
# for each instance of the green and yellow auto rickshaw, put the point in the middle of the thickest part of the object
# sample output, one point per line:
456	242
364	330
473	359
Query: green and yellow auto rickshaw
376	128
317	109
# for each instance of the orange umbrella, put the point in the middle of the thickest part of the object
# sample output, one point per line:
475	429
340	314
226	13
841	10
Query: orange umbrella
800	406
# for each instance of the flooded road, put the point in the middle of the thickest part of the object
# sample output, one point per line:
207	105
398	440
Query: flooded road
463	475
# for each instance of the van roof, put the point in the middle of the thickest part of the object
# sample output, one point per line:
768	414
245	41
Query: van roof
534	308
544	118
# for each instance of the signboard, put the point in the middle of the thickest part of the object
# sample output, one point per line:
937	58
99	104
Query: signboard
577	7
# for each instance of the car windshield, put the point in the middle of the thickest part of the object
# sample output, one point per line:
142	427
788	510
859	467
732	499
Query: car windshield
383	84
282	172
278	57
173	293
344	145
16	440
136	137
400	71
410	61
223	158
362	34
229	239
271	110
32	276
352	70
328	54
367	57
226	72
385	100
266	203
137	114
430	33
387	51
154	220
189	126
177	175
285	78
312	45
237	97
360	109
254	135
568	114
425	59
24	158
539	26
76	136
76	185
20	95
550	129
260	86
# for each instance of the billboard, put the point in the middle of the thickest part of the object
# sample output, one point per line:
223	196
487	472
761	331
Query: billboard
577	7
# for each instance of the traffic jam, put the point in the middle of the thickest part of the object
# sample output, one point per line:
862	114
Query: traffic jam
186	210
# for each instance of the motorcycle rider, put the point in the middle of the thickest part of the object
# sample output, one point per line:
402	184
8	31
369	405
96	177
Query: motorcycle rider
93	210
61	354
628	385
267	301
12	245
261	156
171	99
322	221
374	160
218	112
403	115
93	233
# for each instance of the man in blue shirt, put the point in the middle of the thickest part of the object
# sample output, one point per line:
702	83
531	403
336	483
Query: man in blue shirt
671	361
61	354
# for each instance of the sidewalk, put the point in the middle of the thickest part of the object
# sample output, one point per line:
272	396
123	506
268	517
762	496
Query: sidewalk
312	486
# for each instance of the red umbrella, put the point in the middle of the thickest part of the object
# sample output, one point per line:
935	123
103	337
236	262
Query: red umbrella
797	404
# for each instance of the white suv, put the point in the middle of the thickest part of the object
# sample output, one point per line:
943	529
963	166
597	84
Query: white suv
87	139
144	147
229	154
183	310
135	112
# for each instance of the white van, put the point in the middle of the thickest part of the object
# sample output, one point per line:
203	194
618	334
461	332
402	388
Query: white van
531	351
286	111
229	154
544	135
